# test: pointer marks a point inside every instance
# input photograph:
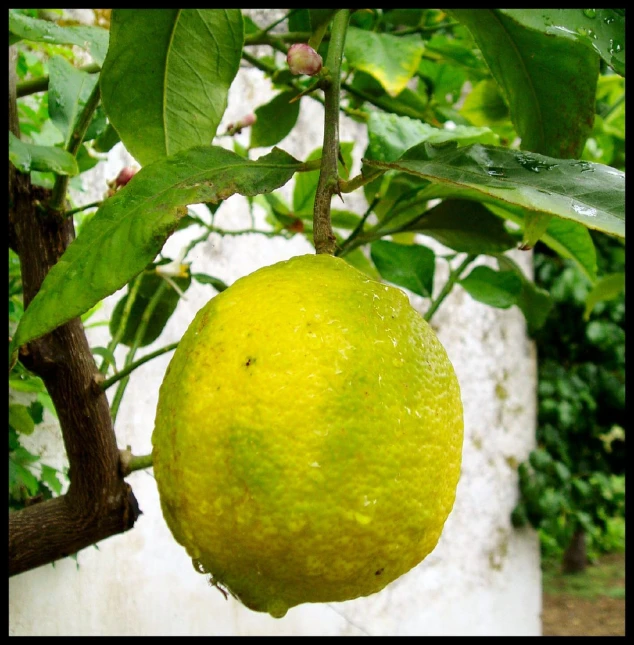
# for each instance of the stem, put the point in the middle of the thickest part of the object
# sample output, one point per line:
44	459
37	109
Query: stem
325	241
79	209
58	196
40	84
140	462
116	339
132	366
138	337
358	181
454	276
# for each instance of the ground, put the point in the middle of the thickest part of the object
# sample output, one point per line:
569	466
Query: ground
587	604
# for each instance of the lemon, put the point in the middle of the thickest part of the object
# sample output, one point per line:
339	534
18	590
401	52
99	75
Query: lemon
308	436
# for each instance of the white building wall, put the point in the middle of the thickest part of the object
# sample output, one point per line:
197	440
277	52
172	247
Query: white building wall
482	579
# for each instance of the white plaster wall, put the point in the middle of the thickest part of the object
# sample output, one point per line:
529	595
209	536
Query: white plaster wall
482	579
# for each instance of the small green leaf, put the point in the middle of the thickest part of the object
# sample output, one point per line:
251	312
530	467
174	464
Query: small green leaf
585	192
130	227
411	267
20	480
485	105
104	352
534	302
392	60
28	156
20	419
49	477
36	410
166	78
539	459
68	91
95	39
464	226
494	288
217	284
275	120
606	288
389	135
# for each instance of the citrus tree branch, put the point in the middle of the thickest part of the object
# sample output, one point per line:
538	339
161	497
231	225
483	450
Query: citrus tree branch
324	238
40	84
99	503
132	366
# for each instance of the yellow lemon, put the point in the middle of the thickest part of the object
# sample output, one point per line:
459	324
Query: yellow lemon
308	436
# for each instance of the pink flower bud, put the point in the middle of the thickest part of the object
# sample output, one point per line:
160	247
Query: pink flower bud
125	175
303	59
247	120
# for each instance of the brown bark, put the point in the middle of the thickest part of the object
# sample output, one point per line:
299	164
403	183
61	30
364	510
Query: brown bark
99	503
575	558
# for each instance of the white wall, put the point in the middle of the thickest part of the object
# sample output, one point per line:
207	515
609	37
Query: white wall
482	579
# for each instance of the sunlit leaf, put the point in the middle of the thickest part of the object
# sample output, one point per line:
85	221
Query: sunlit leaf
130	228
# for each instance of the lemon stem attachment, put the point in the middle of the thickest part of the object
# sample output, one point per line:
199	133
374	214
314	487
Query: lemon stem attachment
324	238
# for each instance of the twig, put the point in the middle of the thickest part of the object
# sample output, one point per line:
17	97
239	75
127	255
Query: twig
454	276
132	366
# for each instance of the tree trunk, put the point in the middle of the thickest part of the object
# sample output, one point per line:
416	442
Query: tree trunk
575	558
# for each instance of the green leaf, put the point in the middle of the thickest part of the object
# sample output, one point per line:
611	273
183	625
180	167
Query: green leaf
19	478
392	60
494	288
49	477
20	419
274	120
164	308
166	78
585	192
603	30
217	284
567	238
104	352
389	135
411	267
607	288
549	83
69	89
36	410
534	302
130	227
464	226
28	156
485	105
94	39
107	140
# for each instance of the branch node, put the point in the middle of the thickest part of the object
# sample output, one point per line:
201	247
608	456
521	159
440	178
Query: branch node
96	384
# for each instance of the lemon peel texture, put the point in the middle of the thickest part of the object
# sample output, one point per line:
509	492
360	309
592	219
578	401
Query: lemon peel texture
308	436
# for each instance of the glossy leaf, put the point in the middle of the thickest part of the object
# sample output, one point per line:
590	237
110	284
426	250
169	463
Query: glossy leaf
274	120
549	83
166	78
588	193
411	267
567	238
391	60
68	91
94	39
389	135
130	228
464	226
607	288
494	288
28	156
603	30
